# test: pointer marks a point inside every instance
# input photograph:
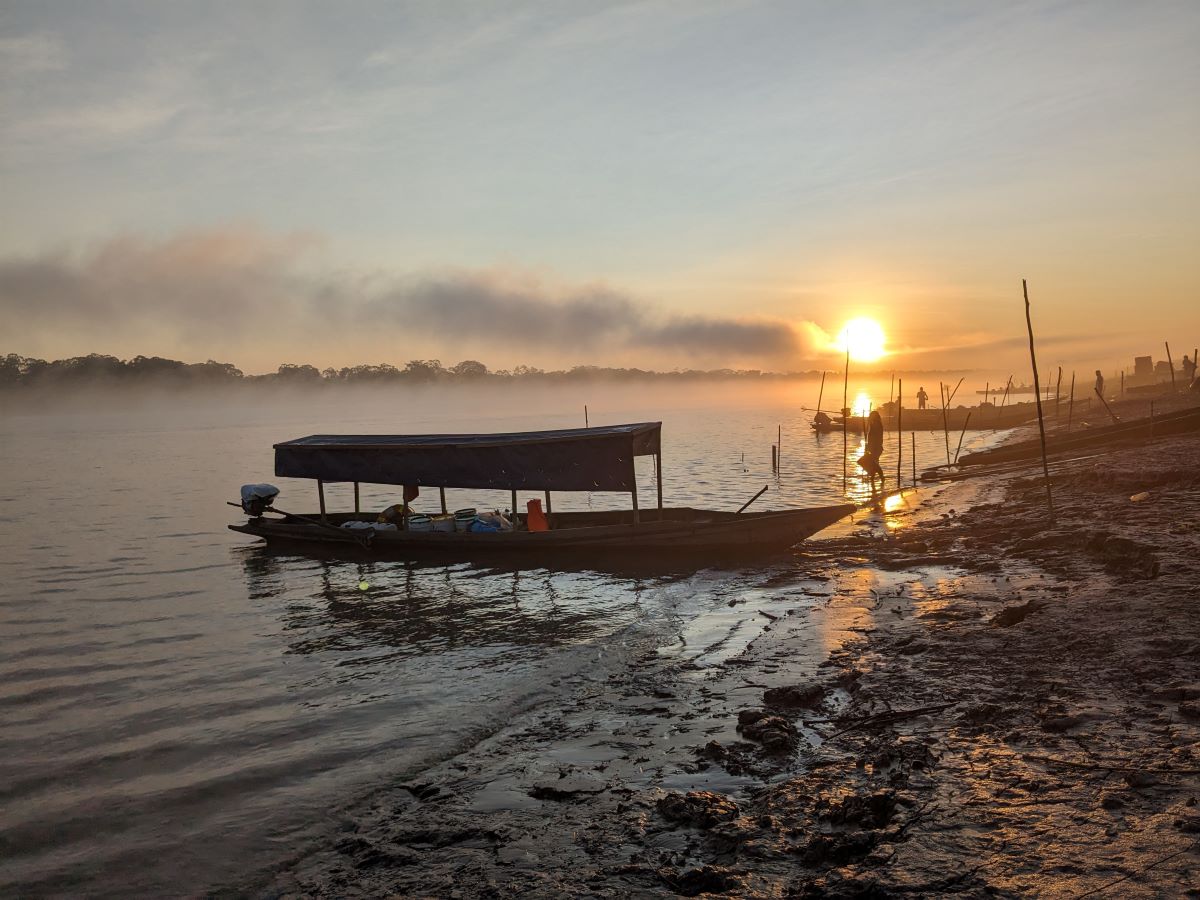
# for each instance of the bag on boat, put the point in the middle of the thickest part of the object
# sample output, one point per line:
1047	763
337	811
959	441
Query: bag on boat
257	497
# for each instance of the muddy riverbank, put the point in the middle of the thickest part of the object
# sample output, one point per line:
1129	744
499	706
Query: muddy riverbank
955	697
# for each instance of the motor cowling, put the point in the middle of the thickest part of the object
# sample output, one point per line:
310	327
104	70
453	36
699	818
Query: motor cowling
256	498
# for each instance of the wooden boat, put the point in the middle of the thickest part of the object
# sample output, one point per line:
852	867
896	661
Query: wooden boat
1015	389
585	459
1132	431
981	418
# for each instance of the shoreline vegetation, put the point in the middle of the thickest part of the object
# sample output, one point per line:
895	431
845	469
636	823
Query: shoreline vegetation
97	369
953	696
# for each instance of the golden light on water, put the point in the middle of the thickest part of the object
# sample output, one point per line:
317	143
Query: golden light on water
865	339
862	404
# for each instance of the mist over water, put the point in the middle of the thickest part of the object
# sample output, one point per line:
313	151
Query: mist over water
182	708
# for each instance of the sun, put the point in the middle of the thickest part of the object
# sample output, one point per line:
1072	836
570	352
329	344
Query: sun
864	338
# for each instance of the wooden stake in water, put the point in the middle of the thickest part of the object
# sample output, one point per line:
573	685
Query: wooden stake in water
1171	363
779	442
1071	403
585	417
1037	393
960	438
945	419
899	432
845	416
1057	393
914	457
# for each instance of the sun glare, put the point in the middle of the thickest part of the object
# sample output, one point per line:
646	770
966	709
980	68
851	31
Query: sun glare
864	338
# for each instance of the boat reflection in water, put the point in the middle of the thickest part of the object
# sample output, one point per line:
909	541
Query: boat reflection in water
412	608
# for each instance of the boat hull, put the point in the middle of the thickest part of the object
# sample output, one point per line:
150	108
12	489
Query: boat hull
932	420
681	531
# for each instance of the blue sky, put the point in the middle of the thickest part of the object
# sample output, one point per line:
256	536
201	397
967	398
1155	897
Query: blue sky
710	163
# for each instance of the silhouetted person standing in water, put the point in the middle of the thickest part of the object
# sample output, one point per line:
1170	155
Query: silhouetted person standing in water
870	460
921	398
1099	385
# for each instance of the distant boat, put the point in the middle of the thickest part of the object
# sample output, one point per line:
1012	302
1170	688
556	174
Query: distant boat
983	417
581	459
1015	389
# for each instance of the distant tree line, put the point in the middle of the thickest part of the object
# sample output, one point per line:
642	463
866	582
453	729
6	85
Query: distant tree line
18	372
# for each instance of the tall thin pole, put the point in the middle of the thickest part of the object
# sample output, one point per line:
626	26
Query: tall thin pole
658	470
913	435
779	441
1171	363
961	436
899	432
892	389
945	419
1057	394
821	393
1038	395
1071	403
845	414
586	424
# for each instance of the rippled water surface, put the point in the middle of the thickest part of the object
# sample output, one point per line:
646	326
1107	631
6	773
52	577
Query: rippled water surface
181	708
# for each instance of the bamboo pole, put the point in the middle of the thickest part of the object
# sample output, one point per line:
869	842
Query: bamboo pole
1038	395
586	424
1004	400
945	420
779	442
892	389
1171	363
1071	404
956	387
913	434
845	415
1057	394
960	438
821	393
899	433
658	469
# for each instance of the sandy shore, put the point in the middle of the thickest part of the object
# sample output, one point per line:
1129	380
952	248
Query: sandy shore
960	697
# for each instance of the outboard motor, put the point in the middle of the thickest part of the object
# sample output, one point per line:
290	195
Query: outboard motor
257	497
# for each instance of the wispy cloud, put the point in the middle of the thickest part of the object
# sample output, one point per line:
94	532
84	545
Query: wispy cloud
31	54
196	287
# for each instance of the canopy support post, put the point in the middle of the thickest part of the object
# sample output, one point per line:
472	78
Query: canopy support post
658	469
514	509
356	497
442	494
549	510
636	518
321	497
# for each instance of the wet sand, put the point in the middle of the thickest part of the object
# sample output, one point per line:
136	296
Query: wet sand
955	697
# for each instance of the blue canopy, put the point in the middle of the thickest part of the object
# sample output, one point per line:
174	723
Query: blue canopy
573	459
